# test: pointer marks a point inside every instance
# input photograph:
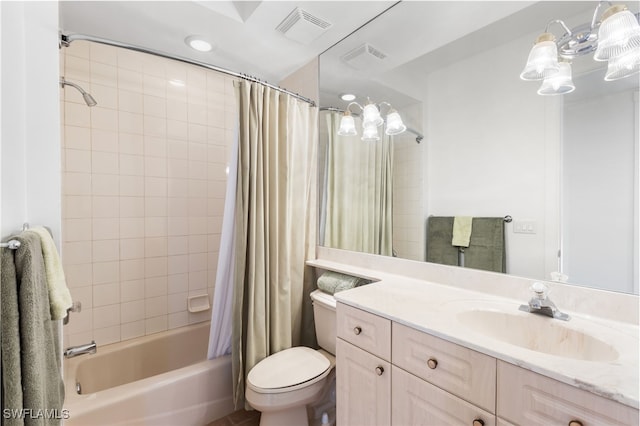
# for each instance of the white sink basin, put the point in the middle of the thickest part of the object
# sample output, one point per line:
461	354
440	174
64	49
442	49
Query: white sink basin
538	333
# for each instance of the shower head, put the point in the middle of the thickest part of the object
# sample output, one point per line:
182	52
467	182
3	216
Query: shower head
89	100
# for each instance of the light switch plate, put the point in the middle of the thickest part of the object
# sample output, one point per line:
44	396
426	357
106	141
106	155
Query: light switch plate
525	227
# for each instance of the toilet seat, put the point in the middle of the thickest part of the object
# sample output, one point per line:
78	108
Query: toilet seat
288	370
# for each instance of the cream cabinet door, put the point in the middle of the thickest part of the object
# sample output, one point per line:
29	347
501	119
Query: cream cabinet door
463	372
419	403
528	398
363	387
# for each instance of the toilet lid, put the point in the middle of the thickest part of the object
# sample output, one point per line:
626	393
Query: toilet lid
287	368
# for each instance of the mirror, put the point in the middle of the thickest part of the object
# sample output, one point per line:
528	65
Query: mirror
564	167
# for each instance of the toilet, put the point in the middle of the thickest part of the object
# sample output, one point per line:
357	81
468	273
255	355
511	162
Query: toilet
281	385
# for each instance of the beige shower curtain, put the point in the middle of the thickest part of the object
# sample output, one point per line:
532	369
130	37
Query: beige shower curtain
275	226
359	192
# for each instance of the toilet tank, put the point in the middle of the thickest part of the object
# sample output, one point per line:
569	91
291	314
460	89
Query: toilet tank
324	315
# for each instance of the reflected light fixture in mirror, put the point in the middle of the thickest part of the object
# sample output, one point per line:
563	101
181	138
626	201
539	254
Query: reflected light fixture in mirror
371	120
617	40
198	43
559	83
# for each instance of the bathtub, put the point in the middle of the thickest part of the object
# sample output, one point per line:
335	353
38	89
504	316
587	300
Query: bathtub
161	379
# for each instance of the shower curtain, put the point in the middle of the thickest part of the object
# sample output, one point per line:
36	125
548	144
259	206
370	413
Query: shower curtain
274	231
358	194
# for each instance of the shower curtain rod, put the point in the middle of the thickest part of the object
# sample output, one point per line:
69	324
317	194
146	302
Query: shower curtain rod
66	39
419	136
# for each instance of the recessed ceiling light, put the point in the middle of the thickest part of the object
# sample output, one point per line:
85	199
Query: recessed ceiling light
347	97
198	43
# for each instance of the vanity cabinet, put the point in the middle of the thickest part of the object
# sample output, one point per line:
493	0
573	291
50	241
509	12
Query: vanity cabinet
392	374
423	381
417	402
460	371
527	398
363	354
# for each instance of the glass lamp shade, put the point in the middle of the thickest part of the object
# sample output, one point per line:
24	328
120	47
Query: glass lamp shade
618	34
370	133
395	126
559	83
347	126
543	59
371	115
623	66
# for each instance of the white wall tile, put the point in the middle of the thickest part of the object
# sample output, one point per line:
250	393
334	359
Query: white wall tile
143	183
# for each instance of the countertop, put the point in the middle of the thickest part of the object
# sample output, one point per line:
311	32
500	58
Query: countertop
434	308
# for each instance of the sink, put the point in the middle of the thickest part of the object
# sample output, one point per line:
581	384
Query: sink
538	333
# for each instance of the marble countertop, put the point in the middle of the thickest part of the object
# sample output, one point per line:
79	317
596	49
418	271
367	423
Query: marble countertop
435	309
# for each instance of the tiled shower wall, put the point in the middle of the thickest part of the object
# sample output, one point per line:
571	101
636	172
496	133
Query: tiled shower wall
144	179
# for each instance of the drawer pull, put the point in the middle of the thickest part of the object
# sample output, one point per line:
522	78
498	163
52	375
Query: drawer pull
478	422
357	330
575	423
432	363
379	370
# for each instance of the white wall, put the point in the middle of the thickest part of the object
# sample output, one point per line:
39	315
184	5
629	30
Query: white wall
30	117
488	138
597	221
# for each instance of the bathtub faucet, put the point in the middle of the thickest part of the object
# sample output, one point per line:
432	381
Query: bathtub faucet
89	348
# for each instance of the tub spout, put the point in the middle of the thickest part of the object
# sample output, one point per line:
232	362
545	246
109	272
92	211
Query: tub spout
89	348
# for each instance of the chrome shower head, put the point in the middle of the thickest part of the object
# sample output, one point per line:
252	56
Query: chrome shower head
89	100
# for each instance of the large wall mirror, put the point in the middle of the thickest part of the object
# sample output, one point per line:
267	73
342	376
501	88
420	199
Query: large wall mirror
482	142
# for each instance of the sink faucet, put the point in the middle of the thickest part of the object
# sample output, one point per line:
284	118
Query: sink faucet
89	348
541	304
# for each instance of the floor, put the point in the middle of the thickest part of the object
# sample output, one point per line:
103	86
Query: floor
239	418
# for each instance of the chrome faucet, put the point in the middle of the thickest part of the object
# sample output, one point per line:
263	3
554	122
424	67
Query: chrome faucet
89	348
541	304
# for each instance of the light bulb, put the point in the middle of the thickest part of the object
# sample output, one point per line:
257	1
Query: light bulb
347	125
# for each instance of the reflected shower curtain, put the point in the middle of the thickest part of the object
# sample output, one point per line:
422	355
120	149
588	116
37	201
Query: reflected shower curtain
275	227
358	192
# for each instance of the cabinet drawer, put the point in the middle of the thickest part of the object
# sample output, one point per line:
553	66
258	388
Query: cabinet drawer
527	398
363	387
461	371
416	402
365	330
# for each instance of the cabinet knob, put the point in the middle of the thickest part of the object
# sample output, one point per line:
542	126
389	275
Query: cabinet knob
379	370
357	330
432	363
575	423
478	422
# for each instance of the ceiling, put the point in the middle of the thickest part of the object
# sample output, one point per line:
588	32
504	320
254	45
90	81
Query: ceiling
244	32
414	35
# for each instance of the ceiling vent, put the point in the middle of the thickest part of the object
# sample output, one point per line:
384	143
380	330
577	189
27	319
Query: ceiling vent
303	27
364	57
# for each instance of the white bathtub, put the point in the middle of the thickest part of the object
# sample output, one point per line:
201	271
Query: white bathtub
161	379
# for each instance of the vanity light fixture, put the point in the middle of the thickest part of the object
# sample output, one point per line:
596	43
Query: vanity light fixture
615	39
198	43
371	120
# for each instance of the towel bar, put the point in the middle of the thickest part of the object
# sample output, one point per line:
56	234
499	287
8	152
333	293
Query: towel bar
12	244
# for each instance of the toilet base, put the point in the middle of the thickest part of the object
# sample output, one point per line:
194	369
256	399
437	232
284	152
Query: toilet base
290	417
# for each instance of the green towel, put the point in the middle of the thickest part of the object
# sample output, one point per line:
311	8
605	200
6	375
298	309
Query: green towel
486	249
439	237
31	359
333	282
462	226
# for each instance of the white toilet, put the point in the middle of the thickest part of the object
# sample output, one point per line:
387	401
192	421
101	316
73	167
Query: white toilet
281	385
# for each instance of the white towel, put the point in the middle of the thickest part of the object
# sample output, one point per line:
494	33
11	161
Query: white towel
59	296
461	231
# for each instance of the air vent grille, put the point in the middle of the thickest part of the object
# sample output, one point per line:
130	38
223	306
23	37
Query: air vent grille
302	26
363	56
